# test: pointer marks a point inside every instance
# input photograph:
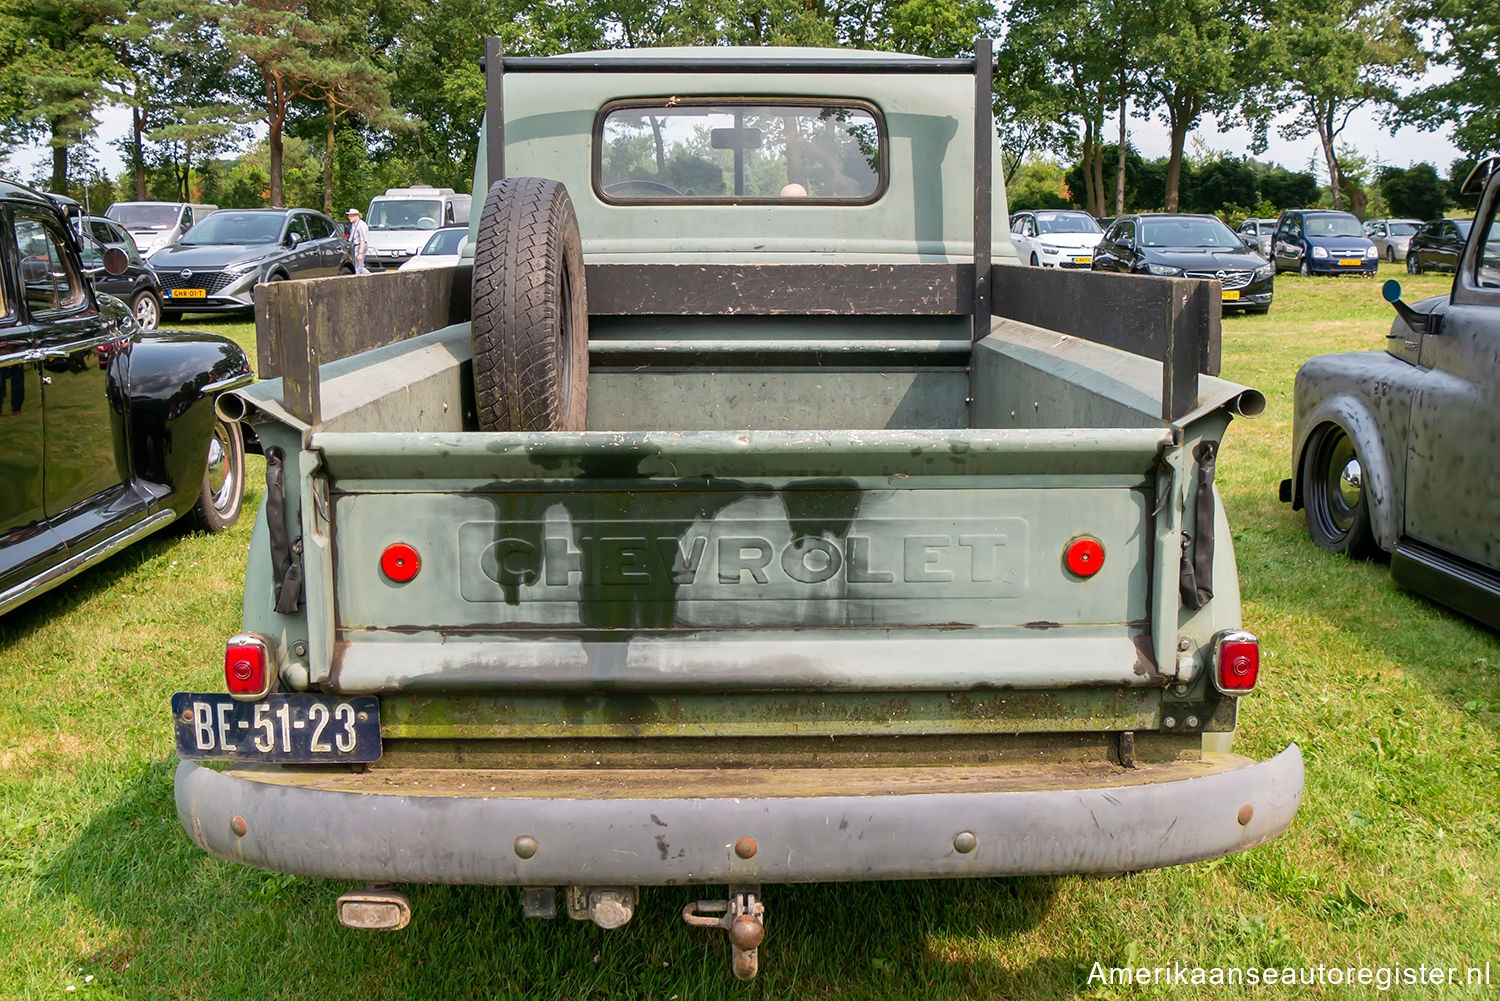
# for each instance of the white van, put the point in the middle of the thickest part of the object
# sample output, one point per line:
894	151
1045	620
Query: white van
154	225
401	222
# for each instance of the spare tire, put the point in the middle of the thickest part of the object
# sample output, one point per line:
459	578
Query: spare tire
530	318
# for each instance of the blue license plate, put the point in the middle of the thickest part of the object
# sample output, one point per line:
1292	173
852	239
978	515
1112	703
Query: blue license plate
295	728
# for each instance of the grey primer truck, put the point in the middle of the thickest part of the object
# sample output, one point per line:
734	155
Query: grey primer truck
734	520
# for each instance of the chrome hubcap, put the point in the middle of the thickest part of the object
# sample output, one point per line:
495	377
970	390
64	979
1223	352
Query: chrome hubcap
145	312
219	481
1351	483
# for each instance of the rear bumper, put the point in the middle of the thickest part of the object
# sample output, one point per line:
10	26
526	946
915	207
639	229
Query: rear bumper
423	826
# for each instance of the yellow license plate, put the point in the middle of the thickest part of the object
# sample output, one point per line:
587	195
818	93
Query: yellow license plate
1350	264
1083	260
186	293
1231	295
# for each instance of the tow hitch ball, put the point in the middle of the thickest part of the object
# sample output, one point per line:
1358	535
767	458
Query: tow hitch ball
743	916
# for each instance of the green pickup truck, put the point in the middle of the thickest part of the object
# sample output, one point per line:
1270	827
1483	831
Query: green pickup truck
740	515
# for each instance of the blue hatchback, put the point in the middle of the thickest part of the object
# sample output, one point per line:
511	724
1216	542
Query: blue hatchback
1322	242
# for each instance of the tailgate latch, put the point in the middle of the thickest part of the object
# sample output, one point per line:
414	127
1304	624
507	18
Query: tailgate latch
743	916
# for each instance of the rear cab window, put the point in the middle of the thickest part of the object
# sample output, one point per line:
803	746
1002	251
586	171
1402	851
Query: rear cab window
735	150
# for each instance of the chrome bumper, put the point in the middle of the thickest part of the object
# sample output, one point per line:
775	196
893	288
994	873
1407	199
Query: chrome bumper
412	836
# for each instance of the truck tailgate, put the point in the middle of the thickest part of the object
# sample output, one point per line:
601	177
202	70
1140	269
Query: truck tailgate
735	560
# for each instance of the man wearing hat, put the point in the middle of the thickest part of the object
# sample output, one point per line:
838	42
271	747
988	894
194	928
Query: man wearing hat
359	238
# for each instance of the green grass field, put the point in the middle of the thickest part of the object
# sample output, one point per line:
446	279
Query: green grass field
1394	857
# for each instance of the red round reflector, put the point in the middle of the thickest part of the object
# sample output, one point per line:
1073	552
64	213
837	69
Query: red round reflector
400	562
241	670
1085	556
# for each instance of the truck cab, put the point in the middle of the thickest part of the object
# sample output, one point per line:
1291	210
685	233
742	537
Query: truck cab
1391	449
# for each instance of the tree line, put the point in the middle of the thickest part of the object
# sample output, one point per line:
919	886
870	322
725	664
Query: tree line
352	95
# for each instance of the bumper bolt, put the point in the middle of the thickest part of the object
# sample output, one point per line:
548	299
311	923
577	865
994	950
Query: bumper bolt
1246	813
965	842
525	846
1170	722
746	848
237	826
1192	722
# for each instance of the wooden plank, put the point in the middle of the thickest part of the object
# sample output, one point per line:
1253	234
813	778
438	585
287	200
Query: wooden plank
984	146
1152	317
780	289
1197	312
300	325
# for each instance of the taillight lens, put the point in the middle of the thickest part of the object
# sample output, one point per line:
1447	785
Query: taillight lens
1084	556
400	562
1236	661
247	667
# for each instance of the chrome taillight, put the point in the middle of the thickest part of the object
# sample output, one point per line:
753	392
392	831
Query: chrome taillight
1236	661
249	667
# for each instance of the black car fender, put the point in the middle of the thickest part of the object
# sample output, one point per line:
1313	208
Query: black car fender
168	384
1368	395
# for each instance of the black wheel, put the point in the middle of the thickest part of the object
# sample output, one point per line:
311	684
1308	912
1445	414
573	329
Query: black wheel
1413	264
1390	255
1334	496
147	309
223	487
346	269
1306	269
530	323
1034	262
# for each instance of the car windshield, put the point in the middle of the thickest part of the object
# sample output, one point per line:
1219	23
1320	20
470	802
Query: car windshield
1403	228
405	213
1464	225
1267	227
1186	232
224	228
1332	224
445	241
144	216
1066	222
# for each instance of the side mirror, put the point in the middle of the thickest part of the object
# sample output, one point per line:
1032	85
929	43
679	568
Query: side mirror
1419	323
115	261
292	239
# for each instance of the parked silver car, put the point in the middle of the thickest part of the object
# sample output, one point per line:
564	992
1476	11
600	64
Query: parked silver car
1391	236
1256	234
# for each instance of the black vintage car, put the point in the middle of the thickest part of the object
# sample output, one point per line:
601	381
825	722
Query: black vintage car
1192	246
217	263
107	432
1437	246
1393	450
137	285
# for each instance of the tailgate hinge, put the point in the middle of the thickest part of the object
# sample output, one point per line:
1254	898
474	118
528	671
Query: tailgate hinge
1196	578
286	556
